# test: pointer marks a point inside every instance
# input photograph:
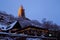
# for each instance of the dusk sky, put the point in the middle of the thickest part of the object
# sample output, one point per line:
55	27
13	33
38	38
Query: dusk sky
34	9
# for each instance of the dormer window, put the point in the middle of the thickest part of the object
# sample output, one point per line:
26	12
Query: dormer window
2	27
8	26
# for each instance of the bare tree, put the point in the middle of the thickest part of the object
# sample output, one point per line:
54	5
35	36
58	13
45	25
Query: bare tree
49	25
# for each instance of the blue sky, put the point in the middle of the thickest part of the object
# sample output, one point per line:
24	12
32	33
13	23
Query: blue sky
34	9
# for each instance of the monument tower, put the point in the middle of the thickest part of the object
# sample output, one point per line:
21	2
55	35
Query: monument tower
21	12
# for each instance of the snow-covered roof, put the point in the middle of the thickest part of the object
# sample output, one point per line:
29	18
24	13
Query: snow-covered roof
26	23
8	22
23	23
7	27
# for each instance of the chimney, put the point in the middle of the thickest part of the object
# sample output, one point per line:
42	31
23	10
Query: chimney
21	12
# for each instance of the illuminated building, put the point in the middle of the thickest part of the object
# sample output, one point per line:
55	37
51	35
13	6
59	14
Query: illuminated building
23	28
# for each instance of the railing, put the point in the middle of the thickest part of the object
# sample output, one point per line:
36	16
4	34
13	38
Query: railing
23	35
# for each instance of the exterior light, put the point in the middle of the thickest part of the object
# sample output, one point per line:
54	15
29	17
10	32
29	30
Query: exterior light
50	34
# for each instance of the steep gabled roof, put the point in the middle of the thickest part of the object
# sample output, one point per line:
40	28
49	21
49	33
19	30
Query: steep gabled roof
16	25
7	27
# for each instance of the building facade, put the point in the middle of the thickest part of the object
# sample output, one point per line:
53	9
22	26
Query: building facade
25	29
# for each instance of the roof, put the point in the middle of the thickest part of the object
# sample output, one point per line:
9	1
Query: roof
7	27
7	22
23	24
